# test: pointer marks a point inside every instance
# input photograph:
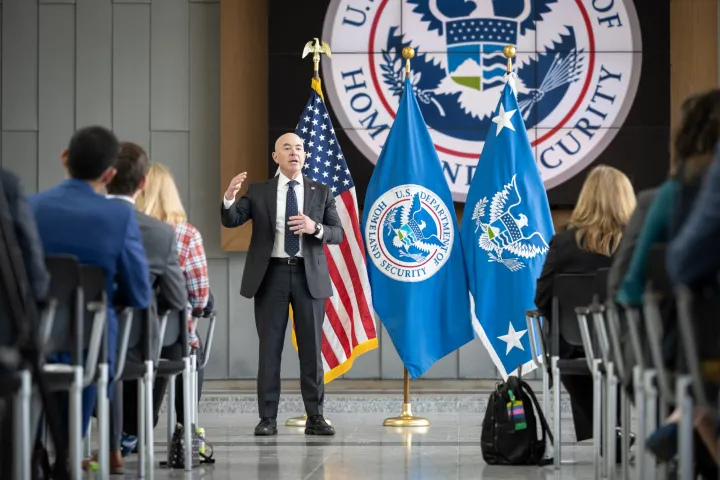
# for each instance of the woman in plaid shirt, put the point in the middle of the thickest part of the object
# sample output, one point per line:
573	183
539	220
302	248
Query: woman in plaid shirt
160	199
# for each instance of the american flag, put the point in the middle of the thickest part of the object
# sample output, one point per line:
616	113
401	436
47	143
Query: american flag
349	326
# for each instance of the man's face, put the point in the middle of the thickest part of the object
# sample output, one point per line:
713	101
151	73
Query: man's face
289	154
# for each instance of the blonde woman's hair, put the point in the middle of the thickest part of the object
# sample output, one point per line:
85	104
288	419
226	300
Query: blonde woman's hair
160	198
606	202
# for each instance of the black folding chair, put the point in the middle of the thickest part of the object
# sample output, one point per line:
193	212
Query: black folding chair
570	292
194	365
177	331
698	310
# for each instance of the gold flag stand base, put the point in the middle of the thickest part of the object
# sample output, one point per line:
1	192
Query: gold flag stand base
406	418
300	421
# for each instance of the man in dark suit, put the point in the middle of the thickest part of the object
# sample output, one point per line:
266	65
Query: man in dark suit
73	218
292	218
166	278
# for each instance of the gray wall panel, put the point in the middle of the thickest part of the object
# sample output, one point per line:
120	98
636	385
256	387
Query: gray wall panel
205	124
57	2
19	153
56	89
131	73
171	149
93	82
19	65
242	342
475	361
170	59
217	366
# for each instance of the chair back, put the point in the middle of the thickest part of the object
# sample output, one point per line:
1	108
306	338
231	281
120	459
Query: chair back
570	290
93	285
656	275
176	330
65	288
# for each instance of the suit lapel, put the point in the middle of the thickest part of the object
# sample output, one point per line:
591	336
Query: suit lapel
271	199
309	188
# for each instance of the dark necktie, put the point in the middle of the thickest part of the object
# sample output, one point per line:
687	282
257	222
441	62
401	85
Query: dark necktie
292	241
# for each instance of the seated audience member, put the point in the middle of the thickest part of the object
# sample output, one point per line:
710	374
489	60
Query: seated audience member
587	244
693	147
160	199
693	257
166	276
73	218
27	236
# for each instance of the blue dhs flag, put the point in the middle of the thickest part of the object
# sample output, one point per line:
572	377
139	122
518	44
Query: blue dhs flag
415	263
505	233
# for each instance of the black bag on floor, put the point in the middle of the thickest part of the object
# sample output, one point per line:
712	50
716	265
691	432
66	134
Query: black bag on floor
509	429
177	448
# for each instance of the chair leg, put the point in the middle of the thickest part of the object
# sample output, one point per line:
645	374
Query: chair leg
193	388
610	422
597	418
549	447
149	417
21	428
75	424
556	412
103	420
651	398
640	407
187	423
685	437
171	420
625	424
87	443
141	428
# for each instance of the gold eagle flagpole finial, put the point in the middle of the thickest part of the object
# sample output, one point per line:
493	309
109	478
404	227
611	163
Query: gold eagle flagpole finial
317	49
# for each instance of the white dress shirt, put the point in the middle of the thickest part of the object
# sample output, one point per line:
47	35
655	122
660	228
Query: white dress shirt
282	190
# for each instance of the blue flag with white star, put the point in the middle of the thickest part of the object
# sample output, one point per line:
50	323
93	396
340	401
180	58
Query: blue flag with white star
505	232
415	263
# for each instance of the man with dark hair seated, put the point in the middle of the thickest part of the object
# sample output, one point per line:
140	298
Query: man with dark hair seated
166	277
73	218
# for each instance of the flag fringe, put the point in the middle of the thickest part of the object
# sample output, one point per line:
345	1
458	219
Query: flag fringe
343	368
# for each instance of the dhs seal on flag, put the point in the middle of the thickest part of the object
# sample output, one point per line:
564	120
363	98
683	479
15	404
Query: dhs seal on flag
409	233
573	94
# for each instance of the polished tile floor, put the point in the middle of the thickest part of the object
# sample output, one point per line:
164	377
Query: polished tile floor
361	449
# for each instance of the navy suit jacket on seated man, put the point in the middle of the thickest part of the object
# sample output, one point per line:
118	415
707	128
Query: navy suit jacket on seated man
74	219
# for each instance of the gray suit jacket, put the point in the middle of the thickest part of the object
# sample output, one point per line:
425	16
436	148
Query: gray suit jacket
259	204
624	254
166	276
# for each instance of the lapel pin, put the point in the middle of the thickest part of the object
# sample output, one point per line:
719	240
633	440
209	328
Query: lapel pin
312	188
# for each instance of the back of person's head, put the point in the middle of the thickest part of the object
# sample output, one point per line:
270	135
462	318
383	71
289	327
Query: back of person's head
92	153
160	198
697	135
606	202
132	166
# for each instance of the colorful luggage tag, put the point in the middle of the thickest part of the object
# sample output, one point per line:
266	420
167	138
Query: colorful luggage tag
516	412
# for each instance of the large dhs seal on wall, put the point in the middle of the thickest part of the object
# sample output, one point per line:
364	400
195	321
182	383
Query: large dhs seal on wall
409	233
573	95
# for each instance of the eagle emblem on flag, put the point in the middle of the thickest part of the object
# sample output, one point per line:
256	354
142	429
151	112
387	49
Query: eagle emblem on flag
505	232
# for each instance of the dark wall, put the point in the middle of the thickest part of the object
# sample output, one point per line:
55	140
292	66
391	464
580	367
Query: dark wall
640	148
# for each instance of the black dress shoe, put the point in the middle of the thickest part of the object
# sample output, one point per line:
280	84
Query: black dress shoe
266	427
316	425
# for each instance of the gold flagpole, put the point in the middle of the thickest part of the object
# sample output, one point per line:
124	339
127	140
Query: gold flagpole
509	53
317	49
406	418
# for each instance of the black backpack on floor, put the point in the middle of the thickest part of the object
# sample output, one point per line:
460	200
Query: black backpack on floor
509	430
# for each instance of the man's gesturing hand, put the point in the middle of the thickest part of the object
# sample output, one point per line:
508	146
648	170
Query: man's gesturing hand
301	224
234	186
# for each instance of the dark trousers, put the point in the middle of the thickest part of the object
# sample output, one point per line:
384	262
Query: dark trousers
282	286
130	407
580	389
